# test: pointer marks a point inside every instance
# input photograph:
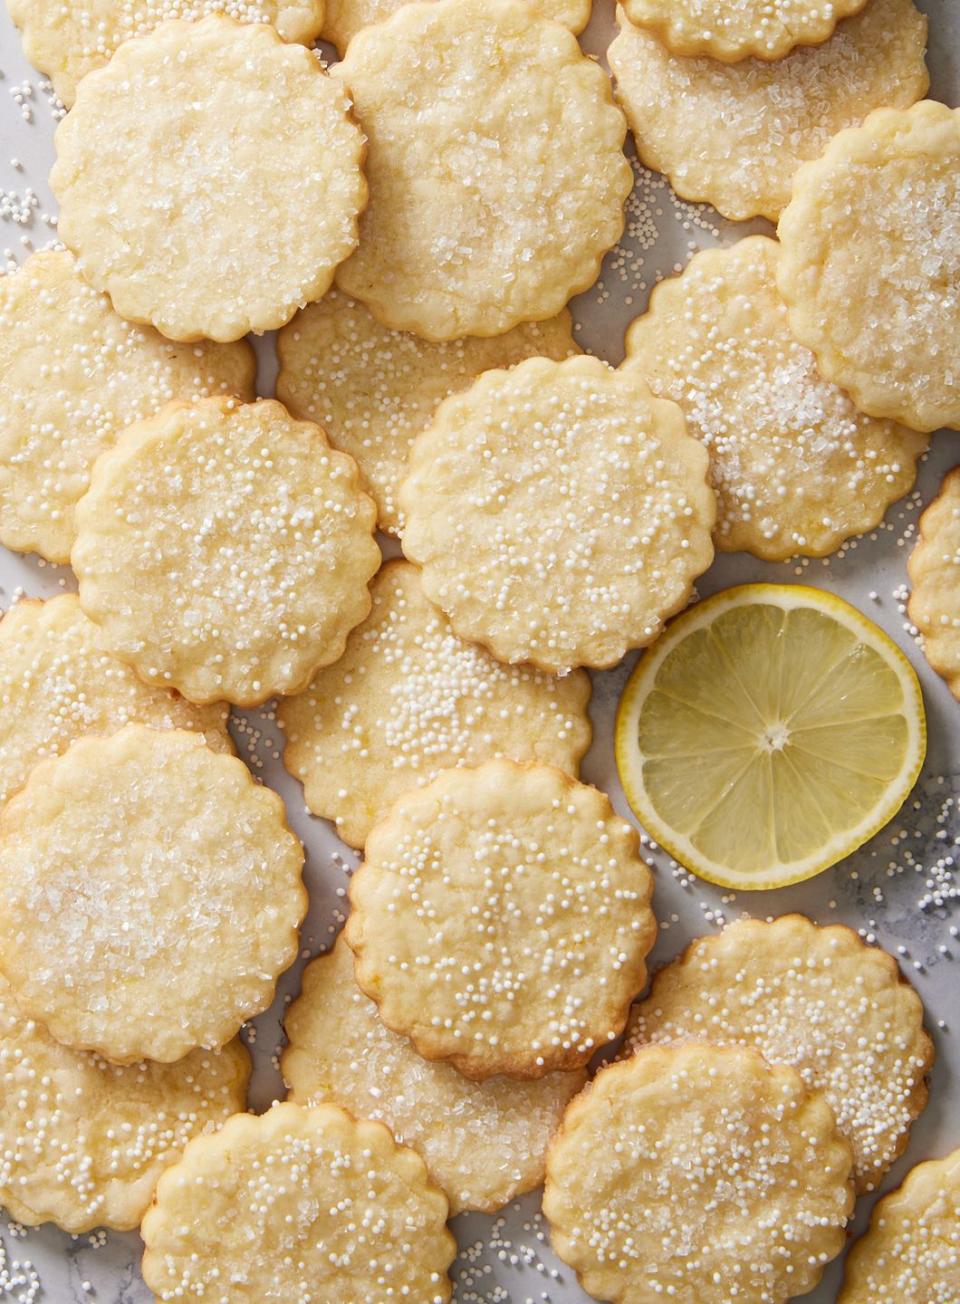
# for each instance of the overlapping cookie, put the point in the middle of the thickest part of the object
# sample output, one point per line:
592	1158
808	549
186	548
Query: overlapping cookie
344	18
934	569
731	30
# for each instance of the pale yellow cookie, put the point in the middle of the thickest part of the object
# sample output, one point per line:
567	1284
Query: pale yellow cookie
59	683
299	1205
225	550
70	38
870	267
409	698
151	895
795	991
911	1252
501	920
731	30
698	1173
496	170
484	1143
83	1142
72	375
188	223
374	389
734	135
796	468
559	511
934	570
345	17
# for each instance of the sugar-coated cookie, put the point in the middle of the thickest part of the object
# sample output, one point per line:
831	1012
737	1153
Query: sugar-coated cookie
731	30
483	1142
734	135
795	466
83	1142
374	389
188	224
72	375
306	1205
224	550
344	18
795	992
870	267
559	511
501	919
698	1173
151	895
934	569
409	698
496	170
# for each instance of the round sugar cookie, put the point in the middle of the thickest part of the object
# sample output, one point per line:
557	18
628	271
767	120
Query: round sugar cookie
72	375
83	1142
74	37
299	1204
58	683
483	1142
344	18
496	167
734	135
731	30
911	1252
501	920
700	1173
374	389
794	991
409	698
559	511
934	570
193	226
151	895
224	550
796	468
870	267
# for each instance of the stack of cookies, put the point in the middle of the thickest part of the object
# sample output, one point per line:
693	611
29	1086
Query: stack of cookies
414	223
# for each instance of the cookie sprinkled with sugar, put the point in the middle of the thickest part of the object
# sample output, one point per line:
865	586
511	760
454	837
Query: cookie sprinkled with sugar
501	919
731	30
934	569
344	18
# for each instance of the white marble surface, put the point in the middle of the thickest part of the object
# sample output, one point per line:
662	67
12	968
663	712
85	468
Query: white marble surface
880	890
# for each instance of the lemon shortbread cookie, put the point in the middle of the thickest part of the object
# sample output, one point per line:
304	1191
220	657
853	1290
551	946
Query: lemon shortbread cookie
68	39
225	550
731	30
870	266
560	512
58	683
700	1173
934	569
911	1251
409	698
483	1142
83	1142
344	18
187	223
795	991
497	177
72	375
734	135
374	389
151	895
501	919
298	1204
795	466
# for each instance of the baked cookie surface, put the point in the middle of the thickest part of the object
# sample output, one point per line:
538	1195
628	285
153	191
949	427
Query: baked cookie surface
152	895
501	920
934	570
483	1143
344	18
189	226
298	1204
225	549
731	30
73	375
870	266
497	176
795	466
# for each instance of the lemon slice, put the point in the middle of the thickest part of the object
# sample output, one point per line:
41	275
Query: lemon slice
768	733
